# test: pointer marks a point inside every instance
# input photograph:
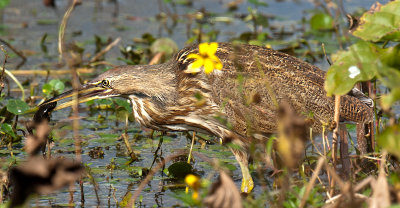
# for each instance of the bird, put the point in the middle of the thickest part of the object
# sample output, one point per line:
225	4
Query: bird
166	97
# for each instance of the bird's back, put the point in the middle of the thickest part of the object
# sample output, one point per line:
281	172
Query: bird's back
254	77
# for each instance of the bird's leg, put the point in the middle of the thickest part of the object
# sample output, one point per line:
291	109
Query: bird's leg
247	180
158	148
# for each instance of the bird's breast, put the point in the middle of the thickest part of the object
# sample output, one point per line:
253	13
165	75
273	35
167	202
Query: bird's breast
178	118
141	112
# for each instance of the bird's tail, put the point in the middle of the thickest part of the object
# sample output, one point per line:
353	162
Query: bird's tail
356	107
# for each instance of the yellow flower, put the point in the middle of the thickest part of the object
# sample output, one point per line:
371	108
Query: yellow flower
193	182
205	59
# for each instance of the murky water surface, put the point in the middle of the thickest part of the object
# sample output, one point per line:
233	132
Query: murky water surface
26	23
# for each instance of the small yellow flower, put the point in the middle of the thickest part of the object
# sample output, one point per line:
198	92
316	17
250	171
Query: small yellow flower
193	182
205	59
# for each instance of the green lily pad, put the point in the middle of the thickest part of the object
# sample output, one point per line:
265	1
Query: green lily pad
6	151
105	138
54	87
7	129
17	107
381	22
180	169
124	103
258	3
321	21
164	45
106	101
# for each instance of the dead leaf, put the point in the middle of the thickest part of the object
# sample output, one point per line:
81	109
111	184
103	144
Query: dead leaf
224	194
36	142
49	3
41	176
380	192
293	133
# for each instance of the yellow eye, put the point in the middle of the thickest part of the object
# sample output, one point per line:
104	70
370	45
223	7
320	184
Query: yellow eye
105	83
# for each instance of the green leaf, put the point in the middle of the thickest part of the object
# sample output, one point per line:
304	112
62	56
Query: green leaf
180	169
389	99
351	127
104	141
389	140
17	107
107	135
125	200
47	89
7	129
185	198
359	63
54	87
261	19
105	101
391	56
390	75
7	151
124	103
380	23
257	3
164	45
58	86
4	3
90	102
321	21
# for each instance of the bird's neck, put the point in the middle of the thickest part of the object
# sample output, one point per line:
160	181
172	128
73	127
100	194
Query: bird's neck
157	95
163	85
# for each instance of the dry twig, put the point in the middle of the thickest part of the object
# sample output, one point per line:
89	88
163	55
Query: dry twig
105	50
3	68
335	140
50	72
320	163
151	174
13	49
63	25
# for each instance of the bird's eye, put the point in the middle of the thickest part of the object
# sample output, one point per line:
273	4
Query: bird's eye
105	83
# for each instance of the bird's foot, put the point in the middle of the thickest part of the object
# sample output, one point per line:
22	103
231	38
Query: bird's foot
247	184
247	180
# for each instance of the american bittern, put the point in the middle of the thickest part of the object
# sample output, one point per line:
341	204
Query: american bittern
164	97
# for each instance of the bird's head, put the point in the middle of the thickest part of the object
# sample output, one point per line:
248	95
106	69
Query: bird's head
141	81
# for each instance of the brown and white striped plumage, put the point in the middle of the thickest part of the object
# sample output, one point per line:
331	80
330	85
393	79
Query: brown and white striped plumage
235	103
163	96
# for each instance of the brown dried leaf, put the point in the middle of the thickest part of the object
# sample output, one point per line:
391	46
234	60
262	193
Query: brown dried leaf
293	133
341	201
223	194
41	176
380	192
49	3
34	143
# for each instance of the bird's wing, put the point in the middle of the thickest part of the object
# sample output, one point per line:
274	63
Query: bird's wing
362	97
253	78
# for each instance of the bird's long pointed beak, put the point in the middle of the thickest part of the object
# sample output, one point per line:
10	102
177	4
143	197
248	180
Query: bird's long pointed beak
86	93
